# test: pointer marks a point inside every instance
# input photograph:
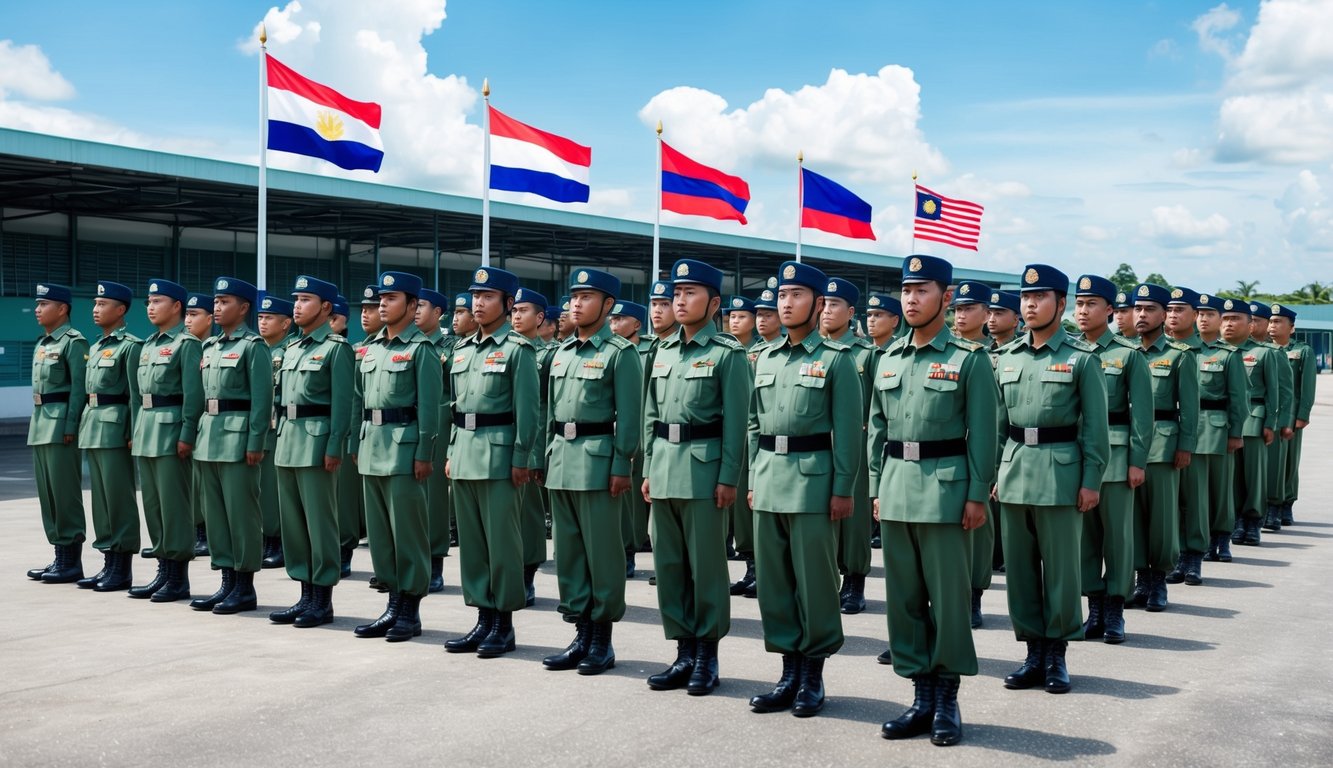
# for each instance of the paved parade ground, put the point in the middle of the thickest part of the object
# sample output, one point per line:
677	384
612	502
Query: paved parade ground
1235	672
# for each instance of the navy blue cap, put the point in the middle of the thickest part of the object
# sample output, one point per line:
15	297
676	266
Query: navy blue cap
771	282
272	305
1183	295
1151	292
529	296
971	292
661	291
1282	310
230	286
1096	285
564	304
200	301
340	305
737	304
1007	300
1043	277
768	299
1261	310
842	289
698	273
926	269
1122	301
401	282
630	309
585	278
463	301
370	295
52	292
1239	306
1209	301
436	299
885	303
796	273
552	313
493	279
174	291
109	290
325	290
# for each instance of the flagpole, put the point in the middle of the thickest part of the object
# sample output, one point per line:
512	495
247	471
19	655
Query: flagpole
657	215
261	226
486	174
800	200
913	211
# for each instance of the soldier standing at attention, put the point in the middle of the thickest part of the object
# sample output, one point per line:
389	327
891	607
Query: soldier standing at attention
464	324
766	321
1054	405
431	306
172	400
739	315
1224	404
351	518
694	437
1301	357
883	314
661	316
628	320
971	310
743	319
104	434
931	443
1181	319
1108	530
58	398
199	324
1002	316
527	317
316	415
1260	425
275	323
237	373
349	533
1277	450
401	391
495	423
805	451
1123	309
564	325
593	426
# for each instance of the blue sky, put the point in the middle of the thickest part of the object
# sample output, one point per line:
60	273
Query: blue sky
1190	138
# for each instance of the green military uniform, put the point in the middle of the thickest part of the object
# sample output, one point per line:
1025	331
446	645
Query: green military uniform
854	532
1193	516
270	512
740	515
634	529
439	504
1251	462
1224	396
1304	372
1276	477
532	520
351	491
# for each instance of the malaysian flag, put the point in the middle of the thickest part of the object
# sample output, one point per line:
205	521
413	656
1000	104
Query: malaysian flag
942	219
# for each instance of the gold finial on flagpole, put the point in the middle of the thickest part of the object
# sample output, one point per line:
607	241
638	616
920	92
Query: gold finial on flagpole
486	87
800	156
913	174
263	34
659	127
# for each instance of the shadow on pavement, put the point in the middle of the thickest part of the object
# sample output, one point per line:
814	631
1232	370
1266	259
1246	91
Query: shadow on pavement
1235	583
1039	744
1201	610
1119	689
1260	563
1162	643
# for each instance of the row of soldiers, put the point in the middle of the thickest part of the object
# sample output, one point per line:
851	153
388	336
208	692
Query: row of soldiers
1088	480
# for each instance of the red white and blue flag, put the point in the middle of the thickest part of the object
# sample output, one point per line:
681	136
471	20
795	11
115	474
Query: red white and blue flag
307	118
694	189
827	205
945	220
527	159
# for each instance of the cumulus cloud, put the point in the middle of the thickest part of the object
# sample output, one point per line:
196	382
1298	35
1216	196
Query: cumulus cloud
27	73
1307	214
1175	227
1213	28
1094	233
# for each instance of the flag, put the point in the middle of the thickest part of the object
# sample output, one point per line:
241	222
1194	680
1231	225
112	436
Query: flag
307	118
695	189
525	159
942	219
829	206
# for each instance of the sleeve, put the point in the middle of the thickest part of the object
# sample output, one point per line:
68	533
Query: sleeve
1001	416
430	383
1141	416
980	416
866	359
541	439
527	406
877	433
752	430
192	388
1187	397
445	352
651	414
1286	405
260	362
77	358
132	352
341	383
1308	379
737	383
1093	435
848	428
358	406
548	418
628	393
1272	395
1238	395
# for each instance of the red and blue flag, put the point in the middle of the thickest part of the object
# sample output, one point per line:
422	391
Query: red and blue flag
694	189
827	205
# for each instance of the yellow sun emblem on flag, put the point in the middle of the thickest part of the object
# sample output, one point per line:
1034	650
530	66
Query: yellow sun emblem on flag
929	207
329	125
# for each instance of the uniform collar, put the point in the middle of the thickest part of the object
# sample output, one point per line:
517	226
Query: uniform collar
118	333
435	335
701	338
60	330
411	333
495	338
319	334
1061	336
810	344
938	343
171	332
1102	342
842	337
1194	340
596	340
241	332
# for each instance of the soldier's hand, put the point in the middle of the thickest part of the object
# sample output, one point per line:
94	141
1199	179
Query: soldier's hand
183	450
447	467
1302	423
331	463
723	495
1136	477
354	461
643	489
1235	444
1288	433
254	458
539	476
974	515
749	499
1268	436
1088	499
874	509
69	439
619	484
1182	459
519	476
421	470
839	507
995	492
129	445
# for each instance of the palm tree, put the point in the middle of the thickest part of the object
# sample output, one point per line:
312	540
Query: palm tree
1246	288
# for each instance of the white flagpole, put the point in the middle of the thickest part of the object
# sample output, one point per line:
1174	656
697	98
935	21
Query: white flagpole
657	216
800	201
913	211
486	175
261	226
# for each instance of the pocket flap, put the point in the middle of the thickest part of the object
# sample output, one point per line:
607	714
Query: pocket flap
1058	377
888	382
764	379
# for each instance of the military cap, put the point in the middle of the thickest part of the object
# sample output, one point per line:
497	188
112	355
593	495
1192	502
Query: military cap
697	273
201	302
1282	310
768	299
796	273
529	296
843	289
1208	301
971	292
400	282
661	291
340	305
463	301
109	290
926	269
174	291
630	309
585	278
325	290
1238	306
564	305
883	302
1183	295
1261	310
52	292
436	299
1122	301
771	282
492	279
1009	300
230	286
1096	285
272	305
1043	277
737	304
1151	292
552	313
371	295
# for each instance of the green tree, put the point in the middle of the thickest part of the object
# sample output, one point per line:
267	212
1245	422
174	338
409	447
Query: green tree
1124	278
1157	279
1246	288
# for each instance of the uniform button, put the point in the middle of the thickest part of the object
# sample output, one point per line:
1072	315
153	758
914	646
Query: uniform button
1028	401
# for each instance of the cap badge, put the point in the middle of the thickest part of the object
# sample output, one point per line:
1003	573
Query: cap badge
222	285
369	293
832	287
682	270
965	290
268	303
789	272
995	298
152	287
1085	284
582	277
101	289
1143	290
737	303
388	280
659	289
1031	277
1228	305
1177	293
481	276
301	282
874	301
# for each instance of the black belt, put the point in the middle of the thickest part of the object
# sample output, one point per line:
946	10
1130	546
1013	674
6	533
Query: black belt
925	449
1166	414
214	405
684	433
1257	401
476	420
53	397
1118	418
378	416
95	399
1213	404
784	444
162	401
305	411
572	430
1043	435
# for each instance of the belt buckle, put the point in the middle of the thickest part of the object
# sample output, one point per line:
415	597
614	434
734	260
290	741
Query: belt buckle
291	410
571	430
92	400
36	399
213	409
780	445
470	422
911	451
377	416
1030	436
673	433
148	402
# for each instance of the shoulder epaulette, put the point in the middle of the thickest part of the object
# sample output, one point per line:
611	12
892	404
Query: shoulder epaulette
337	337
1124	342
74	333
520	339
896	345
836	345
970	346
619	342
1179	345
207	341
728	341
1082	345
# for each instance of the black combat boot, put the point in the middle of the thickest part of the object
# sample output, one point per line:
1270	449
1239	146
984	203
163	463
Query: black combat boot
147	590
1286	514
529	586
273	557
810	696
917	719
1115	620
680	671
200	541
1057	676
1251	536
1194	569
226	587
745	581
119	576
1033	670
468	643
289	615
854	599
601	655
68	567
977	618
436	575
407	624
1238	532
345	567
178	583
704	680
947	727
36	573
500	640
1157	592
1142	585
380	627
320	610
629	565
886	657
784	693
1095	626
1272	518
1177	574
576	651
1211	554
242	597
88	582
1224	548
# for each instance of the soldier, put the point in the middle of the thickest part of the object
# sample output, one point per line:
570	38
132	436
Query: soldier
883	315
1251	461
1108	530
971	312
1002	317
495	422
199	324
564	325
105	430
351	517
546	332
593	428
694	437
661	316
1123	309
527	318
351	531
58	397
1224	404
172	400
1277	450
768	327
275	323
932	476
766	321
315	417
439	506
400	392
739	315
628	319
1301	358
1053	409
804	466
1181	322
970	309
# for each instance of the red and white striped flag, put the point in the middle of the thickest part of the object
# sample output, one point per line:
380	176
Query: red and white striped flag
942	219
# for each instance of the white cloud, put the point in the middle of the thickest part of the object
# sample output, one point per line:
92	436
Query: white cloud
1165	48
26	72
1212	27
1306	213
1187	157
1173	226
1094	233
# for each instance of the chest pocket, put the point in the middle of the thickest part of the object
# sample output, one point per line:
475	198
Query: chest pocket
940	399
398	376
1057	389
588	369
888	389
808	395
1009	387
494	382
1160	371
311	365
